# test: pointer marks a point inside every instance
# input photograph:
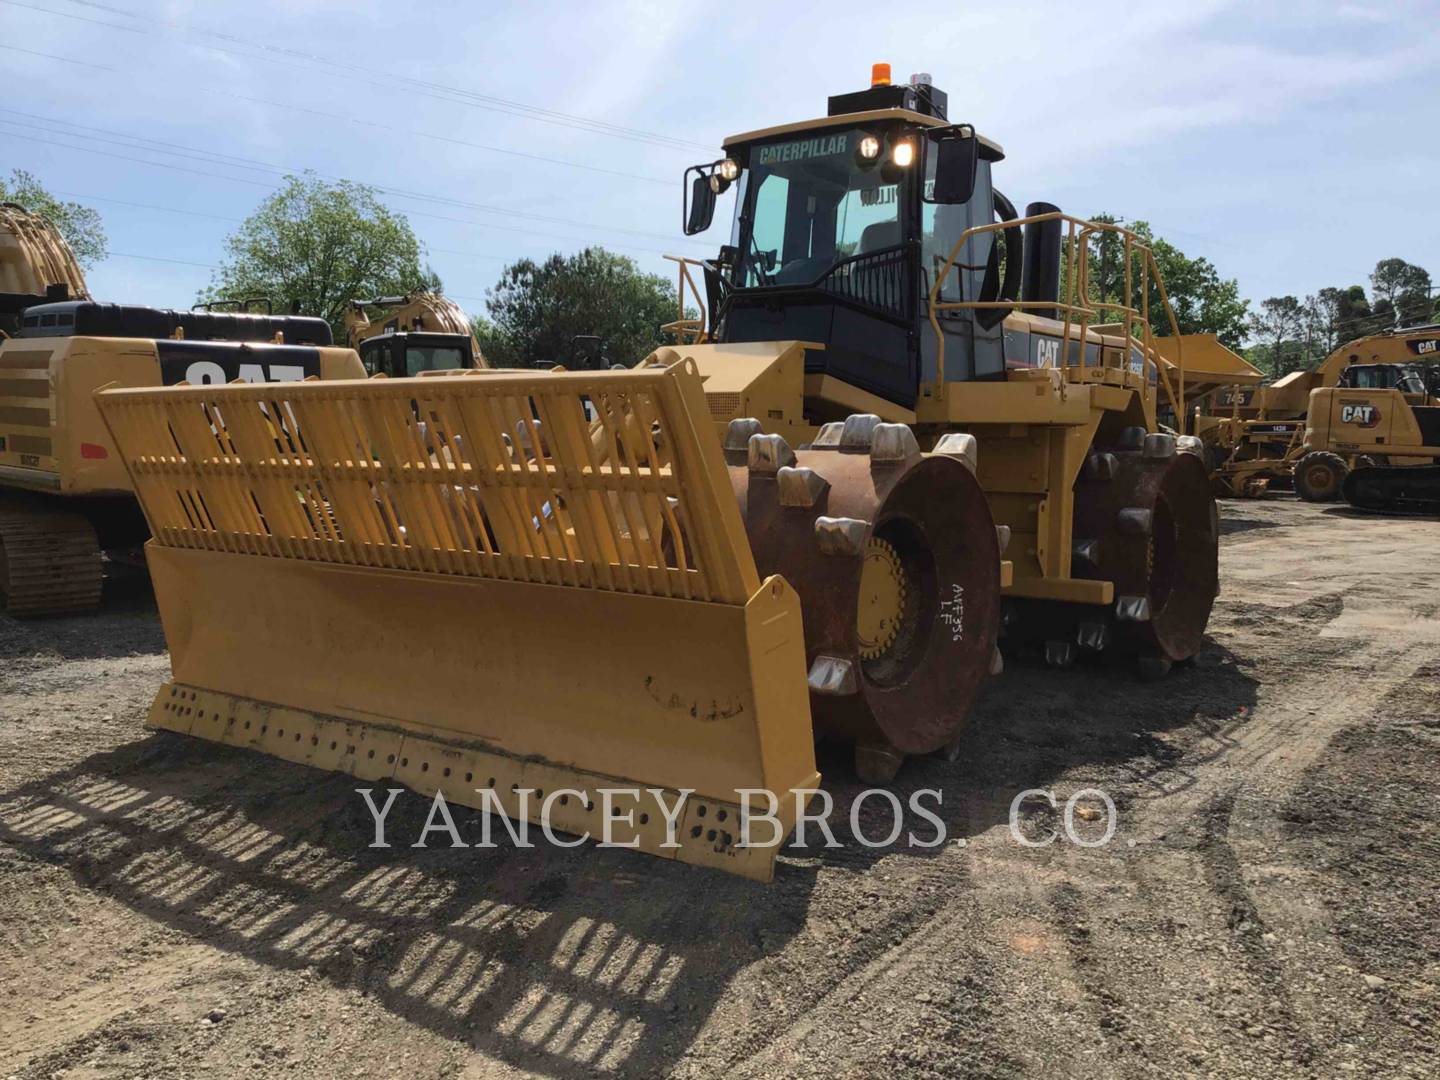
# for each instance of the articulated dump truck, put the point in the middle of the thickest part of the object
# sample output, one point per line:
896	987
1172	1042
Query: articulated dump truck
628	602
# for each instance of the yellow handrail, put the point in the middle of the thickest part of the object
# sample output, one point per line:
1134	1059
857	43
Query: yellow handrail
687	331
1080	315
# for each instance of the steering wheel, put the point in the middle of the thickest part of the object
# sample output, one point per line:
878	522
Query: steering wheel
758	262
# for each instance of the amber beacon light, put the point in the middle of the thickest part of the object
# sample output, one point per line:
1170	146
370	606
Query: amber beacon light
880	75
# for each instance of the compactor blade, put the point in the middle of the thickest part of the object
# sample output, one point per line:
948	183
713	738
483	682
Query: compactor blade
515	588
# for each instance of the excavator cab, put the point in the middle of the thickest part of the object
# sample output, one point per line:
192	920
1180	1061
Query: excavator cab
413	334
1402	377
405	353
1416	383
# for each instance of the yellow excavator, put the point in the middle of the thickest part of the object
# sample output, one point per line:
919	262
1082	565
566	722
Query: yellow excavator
1374	439
418	332
65	496
624	602
1255	435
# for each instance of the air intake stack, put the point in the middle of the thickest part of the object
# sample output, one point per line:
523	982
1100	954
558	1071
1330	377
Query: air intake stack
1042	263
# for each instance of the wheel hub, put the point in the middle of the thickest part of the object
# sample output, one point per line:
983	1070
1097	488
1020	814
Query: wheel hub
882	598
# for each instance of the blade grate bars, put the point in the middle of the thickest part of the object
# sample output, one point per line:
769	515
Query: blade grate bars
601	480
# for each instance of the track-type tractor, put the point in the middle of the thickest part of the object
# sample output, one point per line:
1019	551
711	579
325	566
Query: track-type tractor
621	600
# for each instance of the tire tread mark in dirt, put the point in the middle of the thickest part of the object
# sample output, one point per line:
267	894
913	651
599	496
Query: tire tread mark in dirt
1226	877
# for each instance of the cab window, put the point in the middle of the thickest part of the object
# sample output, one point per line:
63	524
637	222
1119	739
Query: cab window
809	204
940	230
373	356
432	358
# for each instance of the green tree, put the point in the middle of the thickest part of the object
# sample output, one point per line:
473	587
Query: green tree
313	246
1203	301
1403	289
537	308
79	225
1276	327
1346	312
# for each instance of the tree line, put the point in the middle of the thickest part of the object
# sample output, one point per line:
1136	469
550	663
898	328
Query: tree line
1288	333
312	246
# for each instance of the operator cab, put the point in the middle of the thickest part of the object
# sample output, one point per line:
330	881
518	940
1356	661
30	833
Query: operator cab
841	226
1403	377
403	353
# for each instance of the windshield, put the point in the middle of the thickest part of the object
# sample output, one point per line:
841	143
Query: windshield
809	203
432	358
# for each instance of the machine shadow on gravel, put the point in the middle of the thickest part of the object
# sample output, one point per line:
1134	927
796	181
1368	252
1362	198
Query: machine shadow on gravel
560	961
563	962
1037	728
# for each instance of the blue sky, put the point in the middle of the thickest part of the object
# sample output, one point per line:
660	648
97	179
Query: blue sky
1293	144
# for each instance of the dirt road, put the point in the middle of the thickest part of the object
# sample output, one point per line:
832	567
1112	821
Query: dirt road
1269	904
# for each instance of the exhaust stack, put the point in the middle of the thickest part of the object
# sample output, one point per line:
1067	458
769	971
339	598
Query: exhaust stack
1042	265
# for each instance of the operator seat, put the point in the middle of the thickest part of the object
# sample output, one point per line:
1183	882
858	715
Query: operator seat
883	234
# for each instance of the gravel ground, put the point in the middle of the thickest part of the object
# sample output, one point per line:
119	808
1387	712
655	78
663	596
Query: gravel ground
1268	905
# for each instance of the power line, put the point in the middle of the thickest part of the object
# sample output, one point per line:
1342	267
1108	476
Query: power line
142	161
411	213
418	213
157	258
189	86
346	70
146	206
134	142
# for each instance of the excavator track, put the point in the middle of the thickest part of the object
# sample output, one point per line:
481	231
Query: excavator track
49	561
1411	490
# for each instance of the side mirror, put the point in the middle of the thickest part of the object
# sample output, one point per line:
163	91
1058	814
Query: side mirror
957	160
700	200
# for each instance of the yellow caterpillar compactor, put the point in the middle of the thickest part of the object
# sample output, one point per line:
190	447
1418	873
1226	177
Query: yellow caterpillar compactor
670	579
418	332
1255	436
64	493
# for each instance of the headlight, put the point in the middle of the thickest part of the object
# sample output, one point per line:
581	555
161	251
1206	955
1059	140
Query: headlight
904	154
718	183
869	147
729	168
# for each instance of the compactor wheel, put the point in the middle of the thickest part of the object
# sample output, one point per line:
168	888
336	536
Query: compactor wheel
883	611
894	556
1319	476
1145	519
49	561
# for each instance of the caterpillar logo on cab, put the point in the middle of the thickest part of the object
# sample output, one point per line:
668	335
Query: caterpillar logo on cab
1360	415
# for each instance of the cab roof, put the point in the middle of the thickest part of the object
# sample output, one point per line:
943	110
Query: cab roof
990	150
